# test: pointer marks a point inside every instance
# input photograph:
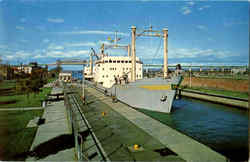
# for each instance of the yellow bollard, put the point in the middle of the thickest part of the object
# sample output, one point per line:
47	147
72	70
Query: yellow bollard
103	113
136	147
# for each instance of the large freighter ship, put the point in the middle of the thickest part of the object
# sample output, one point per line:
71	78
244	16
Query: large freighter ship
122	77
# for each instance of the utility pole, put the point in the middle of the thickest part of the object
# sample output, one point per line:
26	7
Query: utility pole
83	85
133	61
91	63
129	51
190	77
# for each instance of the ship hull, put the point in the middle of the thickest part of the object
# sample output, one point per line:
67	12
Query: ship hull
154	94
146	99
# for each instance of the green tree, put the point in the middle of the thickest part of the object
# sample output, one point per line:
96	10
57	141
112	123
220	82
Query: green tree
23	87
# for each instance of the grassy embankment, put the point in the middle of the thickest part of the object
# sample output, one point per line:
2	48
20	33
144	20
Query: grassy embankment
232	87
15	138
9	98
243	95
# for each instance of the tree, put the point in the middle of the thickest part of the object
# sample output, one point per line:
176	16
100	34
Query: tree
23	87
58	66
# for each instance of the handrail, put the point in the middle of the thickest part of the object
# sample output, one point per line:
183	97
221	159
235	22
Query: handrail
96	141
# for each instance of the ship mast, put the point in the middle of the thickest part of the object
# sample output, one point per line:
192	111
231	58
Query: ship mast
116	45
149	33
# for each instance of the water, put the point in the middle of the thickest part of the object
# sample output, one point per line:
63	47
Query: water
77	75
222	128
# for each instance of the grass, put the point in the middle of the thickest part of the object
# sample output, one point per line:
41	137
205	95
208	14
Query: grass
235	77
51	79
15	138
219	92
10	99
21	100
7	84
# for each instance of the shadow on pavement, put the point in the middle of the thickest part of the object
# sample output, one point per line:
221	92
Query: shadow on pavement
53	146
165	152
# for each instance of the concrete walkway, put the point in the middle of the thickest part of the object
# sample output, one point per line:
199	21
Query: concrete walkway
53	140
187	148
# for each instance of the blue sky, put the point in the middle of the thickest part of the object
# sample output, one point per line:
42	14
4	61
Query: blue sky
200	32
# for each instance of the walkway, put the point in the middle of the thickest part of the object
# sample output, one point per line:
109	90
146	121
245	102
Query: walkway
53	141
182	145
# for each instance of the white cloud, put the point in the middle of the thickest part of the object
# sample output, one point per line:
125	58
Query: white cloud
97	32
55	54
227	24
191	3
21	55
67	54
80	44
210	39
40	56
55	20
201	27
23	20
183	53
185	10
55	47
40	28
9	57
46	40
204	7
3	46
19	27
196	53
24	40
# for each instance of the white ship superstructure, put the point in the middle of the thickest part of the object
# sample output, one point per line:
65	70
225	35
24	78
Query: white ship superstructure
122	76
112	69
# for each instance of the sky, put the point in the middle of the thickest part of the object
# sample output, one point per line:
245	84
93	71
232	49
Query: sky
200	32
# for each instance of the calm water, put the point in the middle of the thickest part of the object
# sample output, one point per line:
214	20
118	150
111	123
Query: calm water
222	128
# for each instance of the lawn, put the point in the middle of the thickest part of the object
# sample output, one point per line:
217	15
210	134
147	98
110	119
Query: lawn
51	79
10	99
7	84
15	138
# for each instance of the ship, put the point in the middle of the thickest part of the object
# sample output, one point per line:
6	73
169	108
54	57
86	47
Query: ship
121	77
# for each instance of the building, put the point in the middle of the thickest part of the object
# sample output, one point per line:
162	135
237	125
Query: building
65	76
26	69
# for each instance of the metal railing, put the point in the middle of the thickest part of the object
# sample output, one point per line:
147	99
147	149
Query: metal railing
81	130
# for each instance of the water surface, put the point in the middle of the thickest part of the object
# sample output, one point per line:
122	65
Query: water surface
222	128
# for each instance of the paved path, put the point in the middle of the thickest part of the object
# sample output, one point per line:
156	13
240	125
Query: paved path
53	140
21	108
187	148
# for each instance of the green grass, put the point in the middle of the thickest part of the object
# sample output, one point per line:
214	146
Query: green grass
15	138
51	79
220	92
7	84
22	100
